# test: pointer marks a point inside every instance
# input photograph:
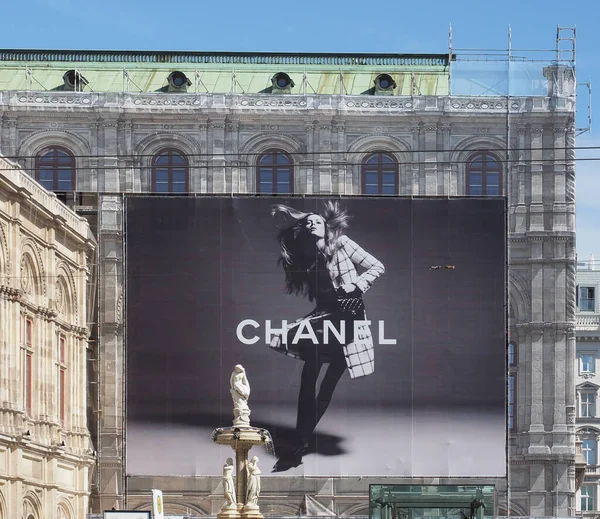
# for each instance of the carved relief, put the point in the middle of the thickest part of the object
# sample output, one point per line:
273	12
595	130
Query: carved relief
39	98
59	295
26	275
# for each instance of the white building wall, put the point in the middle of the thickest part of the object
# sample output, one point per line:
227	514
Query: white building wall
45	458
587	371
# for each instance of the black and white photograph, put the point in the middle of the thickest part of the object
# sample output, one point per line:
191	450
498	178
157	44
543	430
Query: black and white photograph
371	333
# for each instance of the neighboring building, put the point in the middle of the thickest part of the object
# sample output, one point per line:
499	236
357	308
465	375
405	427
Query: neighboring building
95	126
587	369
46	452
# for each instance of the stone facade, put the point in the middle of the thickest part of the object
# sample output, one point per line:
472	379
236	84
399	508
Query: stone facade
432	138
586	384
46	452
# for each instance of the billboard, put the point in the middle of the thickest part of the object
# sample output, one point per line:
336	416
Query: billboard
372	332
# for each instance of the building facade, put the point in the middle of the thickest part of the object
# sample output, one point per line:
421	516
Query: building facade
98	126
46	451
586	368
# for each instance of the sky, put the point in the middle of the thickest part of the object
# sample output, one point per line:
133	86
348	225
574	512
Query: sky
331	26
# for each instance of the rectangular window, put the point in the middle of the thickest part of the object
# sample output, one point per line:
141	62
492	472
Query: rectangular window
587	299
589	450
61	350
511	402
588	405
29	333
512	354
587	363
588	498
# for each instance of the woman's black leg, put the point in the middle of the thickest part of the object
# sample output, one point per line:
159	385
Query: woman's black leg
307	401
334	372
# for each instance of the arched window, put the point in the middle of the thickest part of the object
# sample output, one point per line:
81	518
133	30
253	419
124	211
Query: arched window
55	169
379	174
170	172
484	175
274	172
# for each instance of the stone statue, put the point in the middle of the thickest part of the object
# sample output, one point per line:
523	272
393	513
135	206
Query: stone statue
253	483
240	392
228	487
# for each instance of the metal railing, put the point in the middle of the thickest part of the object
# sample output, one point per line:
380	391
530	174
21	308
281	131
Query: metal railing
238	58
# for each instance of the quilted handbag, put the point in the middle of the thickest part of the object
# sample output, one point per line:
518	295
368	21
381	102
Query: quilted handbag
350	303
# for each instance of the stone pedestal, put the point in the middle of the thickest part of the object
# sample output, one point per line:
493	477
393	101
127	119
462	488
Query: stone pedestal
228	513
251	512
241	440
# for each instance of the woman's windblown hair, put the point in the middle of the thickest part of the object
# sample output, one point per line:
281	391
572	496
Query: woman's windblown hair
298	252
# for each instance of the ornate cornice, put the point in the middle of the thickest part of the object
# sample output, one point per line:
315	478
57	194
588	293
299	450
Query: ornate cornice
13	294
555	326
544	236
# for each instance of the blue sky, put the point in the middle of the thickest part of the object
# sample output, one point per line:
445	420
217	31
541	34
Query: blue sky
327	26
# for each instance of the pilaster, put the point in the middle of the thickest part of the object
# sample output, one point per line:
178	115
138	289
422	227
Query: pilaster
308	170
202	182
110	161
217	165
536	208
521	210
324	164
416	131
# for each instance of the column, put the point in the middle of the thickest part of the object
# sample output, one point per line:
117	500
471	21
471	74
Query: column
325	180
308	171
201	183
519	168
8	135
110	162
232	159
416	159
430	156
559	208
340	158
446	186
570	177
111	354
216	159
127	177
96	177
536	209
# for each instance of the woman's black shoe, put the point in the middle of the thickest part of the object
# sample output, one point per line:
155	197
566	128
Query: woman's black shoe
302	450
291	459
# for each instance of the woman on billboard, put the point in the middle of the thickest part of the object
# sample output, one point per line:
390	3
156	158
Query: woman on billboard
320	263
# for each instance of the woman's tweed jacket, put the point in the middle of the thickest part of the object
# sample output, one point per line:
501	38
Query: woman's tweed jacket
359	353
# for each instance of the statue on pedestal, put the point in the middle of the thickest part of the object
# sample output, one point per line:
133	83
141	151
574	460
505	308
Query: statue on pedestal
253	491
241	495
240	392
228	487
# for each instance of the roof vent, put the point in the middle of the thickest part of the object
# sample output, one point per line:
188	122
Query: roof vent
178	82
384	85
74	81
282	83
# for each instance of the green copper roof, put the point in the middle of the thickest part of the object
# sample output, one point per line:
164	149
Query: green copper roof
213	72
